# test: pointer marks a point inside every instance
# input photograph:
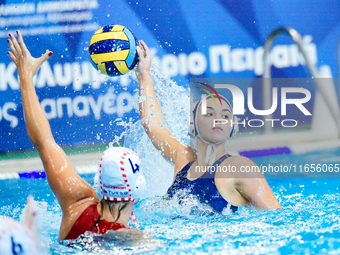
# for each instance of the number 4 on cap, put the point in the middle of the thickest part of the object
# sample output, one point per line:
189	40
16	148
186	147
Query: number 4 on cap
134	170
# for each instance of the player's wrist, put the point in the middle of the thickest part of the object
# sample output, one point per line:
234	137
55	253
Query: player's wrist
143	75
25	75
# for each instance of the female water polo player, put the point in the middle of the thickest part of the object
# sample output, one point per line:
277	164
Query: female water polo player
218	189
120	175
16	238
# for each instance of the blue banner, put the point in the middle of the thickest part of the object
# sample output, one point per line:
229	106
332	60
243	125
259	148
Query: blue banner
188	39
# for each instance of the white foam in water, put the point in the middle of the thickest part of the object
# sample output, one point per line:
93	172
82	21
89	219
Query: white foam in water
309	221
48	222
174	101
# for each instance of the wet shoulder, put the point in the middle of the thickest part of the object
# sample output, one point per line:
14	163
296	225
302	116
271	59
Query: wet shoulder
71	216
238	167
185	155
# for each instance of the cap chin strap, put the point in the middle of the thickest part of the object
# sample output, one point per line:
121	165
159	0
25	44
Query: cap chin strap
134	220
210	153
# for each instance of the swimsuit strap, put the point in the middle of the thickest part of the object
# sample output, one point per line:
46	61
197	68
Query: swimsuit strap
185	169
221	159
211	174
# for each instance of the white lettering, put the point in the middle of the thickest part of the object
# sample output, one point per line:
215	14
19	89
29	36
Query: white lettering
124	80
45	76
280	56
7	77
220	122
63	74
61	6
294	55
51	105
81	111
124	103
259	61
197	63
81	76
182	62
12	119
109	100
297	101
98	78
217	51
17	9
242	123
272	120
64	101
290	120
238	60
170	65
262	112
96	108
258	120
310	49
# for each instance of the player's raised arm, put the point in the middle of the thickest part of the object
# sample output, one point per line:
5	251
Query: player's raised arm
65	183
152	118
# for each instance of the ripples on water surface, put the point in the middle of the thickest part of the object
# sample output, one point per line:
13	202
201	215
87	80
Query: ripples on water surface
307	224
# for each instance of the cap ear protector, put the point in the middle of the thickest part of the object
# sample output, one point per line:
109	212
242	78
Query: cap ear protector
192	127
139	187
235	126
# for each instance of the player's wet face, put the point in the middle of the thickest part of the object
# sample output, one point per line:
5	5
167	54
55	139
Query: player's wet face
215	126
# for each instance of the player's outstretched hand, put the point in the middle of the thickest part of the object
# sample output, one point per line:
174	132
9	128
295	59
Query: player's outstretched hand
27	65
144	63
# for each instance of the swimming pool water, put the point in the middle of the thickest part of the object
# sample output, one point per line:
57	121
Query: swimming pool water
309	222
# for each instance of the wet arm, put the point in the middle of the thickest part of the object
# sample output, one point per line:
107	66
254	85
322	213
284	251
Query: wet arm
151	115
258	193
244	187
65	183
254	187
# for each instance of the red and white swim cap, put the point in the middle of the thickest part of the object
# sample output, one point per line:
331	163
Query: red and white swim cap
120	176
16	238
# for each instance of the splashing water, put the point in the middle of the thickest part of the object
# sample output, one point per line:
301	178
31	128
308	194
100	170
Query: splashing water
307	224
174	101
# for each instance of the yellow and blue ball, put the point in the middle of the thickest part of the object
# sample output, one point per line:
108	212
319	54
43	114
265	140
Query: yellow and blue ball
113	50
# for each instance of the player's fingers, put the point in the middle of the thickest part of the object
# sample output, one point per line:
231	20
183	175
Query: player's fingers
11	46
21	42
15	44
45	56
140	52
145	47
10	54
